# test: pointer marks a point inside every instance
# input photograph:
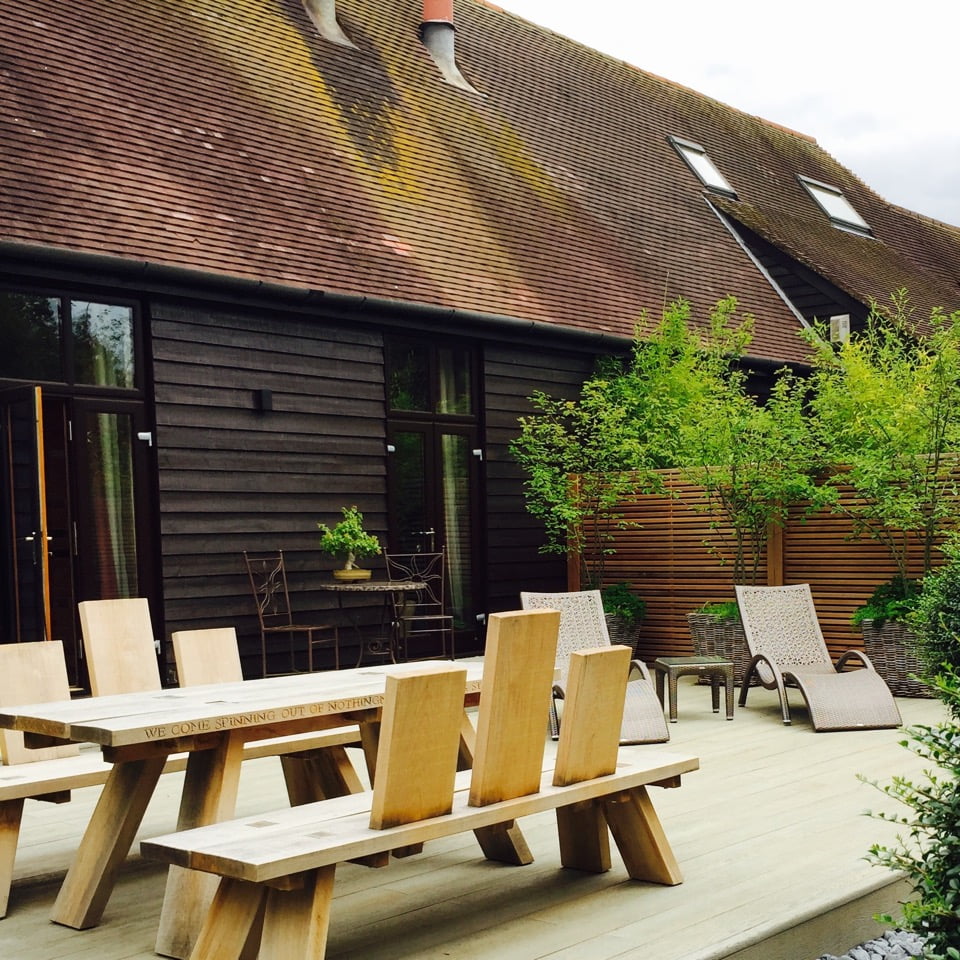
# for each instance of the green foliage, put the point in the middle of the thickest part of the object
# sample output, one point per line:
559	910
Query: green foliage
936	620
680	400
725	610
927	849
348	539
620	601
894	600
753	460
886	404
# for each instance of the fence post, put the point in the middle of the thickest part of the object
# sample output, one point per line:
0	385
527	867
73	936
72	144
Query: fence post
775	555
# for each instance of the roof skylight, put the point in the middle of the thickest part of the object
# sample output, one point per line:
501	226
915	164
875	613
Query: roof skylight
836	206
706	170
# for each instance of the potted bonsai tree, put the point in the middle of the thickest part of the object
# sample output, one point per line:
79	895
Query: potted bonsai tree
348	539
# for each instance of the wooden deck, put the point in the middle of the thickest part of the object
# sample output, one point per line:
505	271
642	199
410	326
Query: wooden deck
769	833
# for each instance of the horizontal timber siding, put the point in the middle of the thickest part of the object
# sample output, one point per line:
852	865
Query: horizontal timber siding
232	477
664	554
511	375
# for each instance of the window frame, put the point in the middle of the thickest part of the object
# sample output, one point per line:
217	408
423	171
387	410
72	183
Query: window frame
815	189
68	381
685	149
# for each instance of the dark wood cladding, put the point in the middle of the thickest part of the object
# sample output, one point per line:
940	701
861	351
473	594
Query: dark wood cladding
235	477
511	375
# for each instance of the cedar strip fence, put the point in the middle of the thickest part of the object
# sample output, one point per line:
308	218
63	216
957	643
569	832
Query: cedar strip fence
664	557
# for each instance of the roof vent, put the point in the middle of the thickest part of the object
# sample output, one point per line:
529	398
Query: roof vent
323	14
840	328
437	35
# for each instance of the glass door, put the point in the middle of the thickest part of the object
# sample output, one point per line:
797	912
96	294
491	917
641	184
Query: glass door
432	479
110	466
25	555
434	468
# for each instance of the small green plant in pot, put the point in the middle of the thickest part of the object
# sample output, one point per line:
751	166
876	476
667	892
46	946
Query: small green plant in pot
620	601
349	540
624	611
894	600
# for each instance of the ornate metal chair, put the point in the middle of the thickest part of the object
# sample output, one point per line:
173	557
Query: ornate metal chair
583	627
268	582
787	648
420	615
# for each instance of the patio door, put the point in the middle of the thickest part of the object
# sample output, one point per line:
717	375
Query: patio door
75	513
434	468
25	567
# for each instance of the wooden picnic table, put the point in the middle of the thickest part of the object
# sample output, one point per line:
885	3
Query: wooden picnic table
138	732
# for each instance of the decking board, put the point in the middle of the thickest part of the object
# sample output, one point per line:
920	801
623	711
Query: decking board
768	832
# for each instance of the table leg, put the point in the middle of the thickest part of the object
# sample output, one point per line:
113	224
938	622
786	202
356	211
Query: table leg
728	684
209	795
672	677
106	842
715	692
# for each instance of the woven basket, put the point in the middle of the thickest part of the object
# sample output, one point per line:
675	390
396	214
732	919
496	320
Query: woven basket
622	633
721	638
890	647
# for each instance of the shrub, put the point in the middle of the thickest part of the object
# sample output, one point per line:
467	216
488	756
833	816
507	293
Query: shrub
894	600
928	849
936	620
620	601
721	610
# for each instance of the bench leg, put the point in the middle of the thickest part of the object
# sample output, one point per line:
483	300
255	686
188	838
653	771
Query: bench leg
296	922
234	914
504	842
640	838
106	842
11	813
319	775
584	840
209	795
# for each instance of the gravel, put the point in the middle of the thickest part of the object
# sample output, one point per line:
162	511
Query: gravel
893	945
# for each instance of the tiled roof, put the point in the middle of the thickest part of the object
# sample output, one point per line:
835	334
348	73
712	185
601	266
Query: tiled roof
228	136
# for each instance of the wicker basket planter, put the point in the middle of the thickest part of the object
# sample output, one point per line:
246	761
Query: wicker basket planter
623	633
721	638
890	647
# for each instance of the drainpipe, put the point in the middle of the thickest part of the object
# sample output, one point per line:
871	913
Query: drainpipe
323	14
437	34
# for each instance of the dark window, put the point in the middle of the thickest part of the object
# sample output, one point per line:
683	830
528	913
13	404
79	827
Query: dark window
423	377
30	332
64	340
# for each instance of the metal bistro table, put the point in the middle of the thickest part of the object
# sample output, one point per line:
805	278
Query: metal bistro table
381	645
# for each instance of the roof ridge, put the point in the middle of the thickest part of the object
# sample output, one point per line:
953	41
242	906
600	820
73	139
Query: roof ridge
648	73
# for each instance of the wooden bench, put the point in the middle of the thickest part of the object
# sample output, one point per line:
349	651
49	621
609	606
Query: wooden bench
36	672
278	868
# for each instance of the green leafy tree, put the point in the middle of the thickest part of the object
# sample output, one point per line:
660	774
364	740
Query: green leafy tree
886	405
679	400
753	460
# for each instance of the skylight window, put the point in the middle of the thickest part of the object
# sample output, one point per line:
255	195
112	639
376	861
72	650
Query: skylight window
706	170
836	206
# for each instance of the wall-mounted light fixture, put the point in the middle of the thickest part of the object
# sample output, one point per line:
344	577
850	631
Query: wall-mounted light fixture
262	400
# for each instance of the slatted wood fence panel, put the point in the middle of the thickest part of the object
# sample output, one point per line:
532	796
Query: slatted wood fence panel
663	554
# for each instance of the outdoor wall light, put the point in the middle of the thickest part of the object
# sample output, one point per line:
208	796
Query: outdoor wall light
262	400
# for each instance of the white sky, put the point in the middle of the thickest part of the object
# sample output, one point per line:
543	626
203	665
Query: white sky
875	83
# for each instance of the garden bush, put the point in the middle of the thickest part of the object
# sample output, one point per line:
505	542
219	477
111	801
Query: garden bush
927	850
936	619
